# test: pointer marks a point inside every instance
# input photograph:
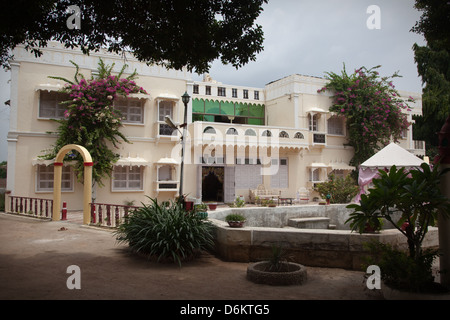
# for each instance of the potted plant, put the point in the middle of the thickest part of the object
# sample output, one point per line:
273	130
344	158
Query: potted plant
416	198
201	210
235	220
239	202
212	206
277	270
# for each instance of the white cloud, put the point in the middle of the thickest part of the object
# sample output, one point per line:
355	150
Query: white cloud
313	37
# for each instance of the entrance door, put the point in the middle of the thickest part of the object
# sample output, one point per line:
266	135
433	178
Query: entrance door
212	183
229	192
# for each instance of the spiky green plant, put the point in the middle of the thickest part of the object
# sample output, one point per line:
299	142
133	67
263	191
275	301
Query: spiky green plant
168	233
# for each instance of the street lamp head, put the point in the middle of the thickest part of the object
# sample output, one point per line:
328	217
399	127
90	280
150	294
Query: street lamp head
169	122
185	97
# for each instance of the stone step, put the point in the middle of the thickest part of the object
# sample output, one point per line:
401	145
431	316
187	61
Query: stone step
309	223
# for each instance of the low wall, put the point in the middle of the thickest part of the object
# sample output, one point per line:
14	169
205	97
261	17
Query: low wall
310	247
278	217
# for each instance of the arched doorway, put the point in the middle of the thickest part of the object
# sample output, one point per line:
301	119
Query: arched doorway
87	191
212	183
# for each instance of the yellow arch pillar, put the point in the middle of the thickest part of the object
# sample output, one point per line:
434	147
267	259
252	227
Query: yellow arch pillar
87	192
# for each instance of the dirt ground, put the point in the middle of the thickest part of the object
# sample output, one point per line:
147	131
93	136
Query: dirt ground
35	256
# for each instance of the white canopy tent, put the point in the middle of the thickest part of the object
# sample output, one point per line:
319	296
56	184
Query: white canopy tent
387	157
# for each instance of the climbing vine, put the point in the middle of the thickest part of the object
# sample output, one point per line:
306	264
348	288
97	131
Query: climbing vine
90	119
372	107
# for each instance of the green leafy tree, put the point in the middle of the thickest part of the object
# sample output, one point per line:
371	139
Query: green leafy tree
413	195
411	202
91	120
433	65
174	33
372	107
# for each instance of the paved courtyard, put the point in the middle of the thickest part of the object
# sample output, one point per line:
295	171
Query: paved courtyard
35	255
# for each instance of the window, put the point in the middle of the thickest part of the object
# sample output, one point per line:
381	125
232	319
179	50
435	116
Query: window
234	93
127	178
221	91
298	135
165	173
280	179
45	176
404	133
208	90
165	179
267	133
250	132
209	130
195	89
314	175
245	94
256	95
232	131
211	110
132	110
248	176
165	108
50	104
313	124
336	126
284	134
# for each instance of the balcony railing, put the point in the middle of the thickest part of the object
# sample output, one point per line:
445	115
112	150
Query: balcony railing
230	134
166	186
109	215
36	207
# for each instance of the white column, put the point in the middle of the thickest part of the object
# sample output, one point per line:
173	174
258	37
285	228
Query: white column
12	134
296	110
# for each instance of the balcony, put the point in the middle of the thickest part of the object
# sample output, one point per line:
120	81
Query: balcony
240	135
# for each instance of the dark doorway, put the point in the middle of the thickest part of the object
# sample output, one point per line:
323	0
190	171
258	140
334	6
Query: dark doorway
212	183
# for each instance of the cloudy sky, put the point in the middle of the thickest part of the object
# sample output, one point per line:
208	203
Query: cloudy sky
311	37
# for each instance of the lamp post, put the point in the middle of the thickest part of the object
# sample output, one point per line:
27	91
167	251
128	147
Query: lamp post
185	98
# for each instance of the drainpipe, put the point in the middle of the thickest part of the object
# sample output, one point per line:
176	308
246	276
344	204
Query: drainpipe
444	223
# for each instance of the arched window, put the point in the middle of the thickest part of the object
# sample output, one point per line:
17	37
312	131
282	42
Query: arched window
232	131
284	134
209	130
267	133
250	132
298	135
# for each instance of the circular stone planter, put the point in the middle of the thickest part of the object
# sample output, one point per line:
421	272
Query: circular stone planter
292	273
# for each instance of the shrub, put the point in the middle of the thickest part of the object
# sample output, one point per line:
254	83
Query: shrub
401	271
341	190
166	232
234	217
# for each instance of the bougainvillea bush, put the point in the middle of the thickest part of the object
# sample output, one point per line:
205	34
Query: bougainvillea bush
91	120
372	107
